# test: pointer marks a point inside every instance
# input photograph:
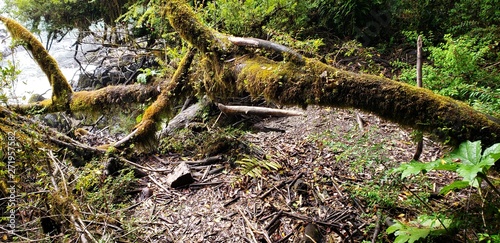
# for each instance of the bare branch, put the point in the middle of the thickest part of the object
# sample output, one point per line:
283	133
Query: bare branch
258	111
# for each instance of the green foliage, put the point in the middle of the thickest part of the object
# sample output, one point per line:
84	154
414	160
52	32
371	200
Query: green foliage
307	46
467	161
101	191
143	16
458	70
345	18
470	15
8	77
471	163
254	167
58	17
421	228
248	17
486	238
145	75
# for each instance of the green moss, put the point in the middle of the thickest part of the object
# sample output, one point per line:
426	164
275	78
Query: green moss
288	83
111	97
163	105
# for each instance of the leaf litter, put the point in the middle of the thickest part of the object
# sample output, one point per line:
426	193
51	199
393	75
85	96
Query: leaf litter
324	155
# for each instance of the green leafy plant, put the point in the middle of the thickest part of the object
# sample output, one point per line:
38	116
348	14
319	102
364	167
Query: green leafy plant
246	18
146	73
461	68
467	161
471	163
487	238
423	227
8	78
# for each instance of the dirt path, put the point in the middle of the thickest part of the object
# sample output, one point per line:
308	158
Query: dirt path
326	159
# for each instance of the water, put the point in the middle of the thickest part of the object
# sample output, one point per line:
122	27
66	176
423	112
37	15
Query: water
31	79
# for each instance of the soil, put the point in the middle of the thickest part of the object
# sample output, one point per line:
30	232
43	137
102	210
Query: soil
326	157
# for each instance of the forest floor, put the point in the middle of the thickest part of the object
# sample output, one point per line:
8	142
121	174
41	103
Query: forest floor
335	177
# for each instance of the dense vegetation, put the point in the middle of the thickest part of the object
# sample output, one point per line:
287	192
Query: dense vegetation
461	45
460	38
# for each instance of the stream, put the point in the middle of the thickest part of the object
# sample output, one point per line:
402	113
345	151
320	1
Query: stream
32	80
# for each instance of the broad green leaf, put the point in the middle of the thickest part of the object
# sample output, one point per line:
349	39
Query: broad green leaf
394	227
454	186
445	164
491	154
420	228
414	167
472	162
416	234
469	173
468	152
405	233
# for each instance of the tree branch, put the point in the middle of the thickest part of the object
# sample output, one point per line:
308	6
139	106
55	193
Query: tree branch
61	90
239	41
259	111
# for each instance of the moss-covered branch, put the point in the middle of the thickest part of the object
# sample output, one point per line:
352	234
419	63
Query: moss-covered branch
95	101
61	90
312	82
320	84
185	22
146	129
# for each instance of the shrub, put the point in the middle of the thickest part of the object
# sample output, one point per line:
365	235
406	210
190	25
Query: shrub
459	69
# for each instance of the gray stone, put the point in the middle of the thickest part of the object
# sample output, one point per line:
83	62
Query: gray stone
181	176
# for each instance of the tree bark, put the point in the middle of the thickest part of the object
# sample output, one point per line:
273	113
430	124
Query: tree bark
420	139
61	90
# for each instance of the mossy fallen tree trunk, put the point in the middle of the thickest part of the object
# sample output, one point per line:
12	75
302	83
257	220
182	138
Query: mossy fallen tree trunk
96	101
297	81
320	84
307	82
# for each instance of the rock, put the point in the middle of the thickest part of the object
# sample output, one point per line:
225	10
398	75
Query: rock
58	121
312	234
180	177
35	98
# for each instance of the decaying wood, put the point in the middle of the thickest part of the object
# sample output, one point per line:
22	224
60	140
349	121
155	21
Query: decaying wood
184	117
361	123
297	82
258	111
162	106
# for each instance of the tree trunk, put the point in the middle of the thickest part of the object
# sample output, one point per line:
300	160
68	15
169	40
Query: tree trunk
420	138
307	82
